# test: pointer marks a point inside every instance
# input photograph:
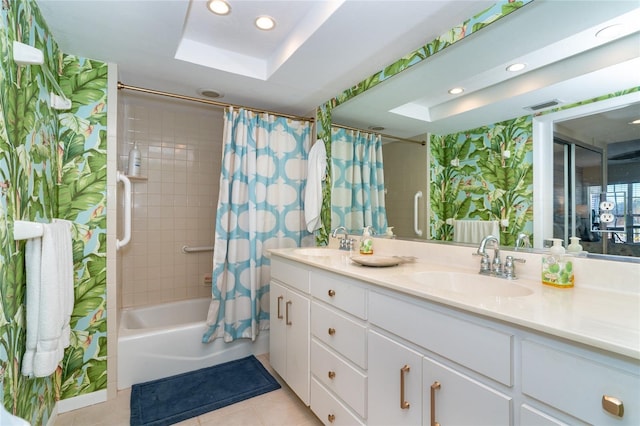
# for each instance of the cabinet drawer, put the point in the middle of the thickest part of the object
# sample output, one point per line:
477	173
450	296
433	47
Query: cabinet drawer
529	416
338	376
292	275
576	384
340	293
328	409
339	332
482	349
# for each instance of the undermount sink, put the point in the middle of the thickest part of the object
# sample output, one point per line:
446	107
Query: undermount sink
319	251
474	285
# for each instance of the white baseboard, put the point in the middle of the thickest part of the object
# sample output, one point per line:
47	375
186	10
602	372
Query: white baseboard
81	401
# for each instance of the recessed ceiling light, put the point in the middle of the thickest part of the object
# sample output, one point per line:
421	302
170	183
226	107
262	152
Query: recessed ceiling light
610	32
208	93
516	67
265	23
219	7
456	90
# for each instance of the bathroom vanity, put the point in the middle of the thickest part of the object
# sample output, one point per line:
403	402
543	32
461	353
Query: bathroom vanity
427	343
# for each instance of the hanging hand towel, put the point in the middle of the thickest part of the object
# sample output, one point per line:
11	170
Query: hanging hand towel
49	299
473	231
316	170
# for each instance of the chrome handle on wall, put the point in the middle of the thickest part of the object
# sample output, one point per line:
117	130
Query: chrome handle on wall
403	404
416	198
286	312
434	387
279	300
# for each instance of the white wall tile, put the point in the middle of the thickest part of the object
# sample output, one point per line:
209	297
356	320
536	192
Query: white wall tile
181	146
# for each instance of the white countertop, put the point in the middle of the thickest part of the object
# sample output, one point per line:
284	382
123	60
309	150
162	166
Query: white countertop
601	318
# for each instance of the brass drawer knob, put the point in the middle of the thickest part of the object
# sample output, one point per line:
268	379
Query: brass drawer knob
332	374
331	293
331	418
613	405
332	331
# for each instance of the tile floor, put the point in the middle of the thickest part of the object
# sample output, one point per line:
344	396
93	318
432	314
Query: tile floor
278	408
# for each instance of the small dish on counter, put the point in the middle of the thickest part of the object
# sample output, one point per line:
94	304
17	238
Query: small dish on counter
377	261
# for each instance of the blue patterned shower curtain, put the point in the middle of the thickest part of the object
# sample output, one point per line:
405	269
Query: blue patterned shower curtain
357	193
260	206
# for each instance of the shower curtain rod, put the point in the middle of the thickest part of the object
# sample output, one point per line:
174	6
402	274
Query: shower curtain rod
122	86
423	143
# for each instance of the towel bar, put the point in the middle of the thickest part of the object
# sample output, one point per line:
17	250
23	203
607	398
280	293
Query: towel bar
24	230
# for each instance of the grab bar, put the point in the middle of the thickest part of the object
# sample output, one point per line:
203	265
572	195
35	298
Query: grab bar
416	197
120	177
186	249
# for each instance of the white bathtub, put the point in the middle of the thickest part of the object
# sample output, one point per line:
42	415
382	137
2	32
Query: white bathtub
164	340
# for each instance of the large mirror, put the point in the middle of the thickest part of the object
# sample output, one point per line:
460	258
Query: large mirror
569	60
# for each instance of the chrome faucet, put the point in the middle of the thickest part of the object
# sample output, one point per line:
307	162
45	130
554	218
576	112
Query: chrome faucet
345	242
496	268
496	265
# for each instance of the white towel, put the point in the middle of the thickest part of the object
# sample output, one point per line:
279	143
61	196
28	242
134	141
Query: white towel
473	231
49	264
316	171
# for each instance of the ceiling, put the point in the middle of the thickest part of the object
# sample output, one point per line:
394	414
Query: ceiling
566	62
317	50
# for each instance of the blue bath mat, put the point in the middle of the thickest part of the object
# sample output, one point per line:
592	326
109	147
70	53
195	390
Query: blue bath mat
177	398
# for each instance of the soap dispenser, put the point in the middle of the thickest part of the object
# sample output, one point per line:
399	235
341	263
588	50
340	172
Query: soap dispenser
134	161
366	242
575	246
557	269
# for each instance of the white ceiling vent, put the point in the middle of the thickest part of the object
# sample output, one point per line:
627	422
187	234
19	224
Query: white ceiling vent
544	105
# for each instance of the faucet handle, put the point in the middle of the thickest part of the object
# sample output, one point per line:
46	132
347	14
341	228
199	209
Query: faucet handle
510	267
485	267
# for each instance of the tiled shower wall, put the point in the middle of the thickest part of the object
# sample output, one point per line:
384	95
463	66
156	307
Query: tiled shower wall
181	145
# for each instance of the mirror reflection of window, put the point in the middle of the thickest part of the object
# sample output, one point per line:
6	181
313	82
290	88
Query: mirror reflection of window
582	181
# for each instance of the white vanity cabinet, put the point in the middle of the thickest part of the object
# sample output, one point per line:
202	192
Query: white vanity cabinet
421	390
289	319
381	356
338	349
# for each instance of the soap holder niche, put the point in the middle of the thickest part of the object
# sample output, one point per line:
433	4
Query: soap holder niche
23	54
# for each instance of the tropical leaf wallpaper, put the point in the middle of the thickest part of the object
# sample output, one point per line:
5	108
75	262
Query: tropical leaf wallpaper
483	174
52	165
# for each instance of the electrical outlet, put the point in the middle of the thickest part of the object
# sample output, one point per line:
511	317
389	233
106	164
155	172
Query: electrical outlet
607	205
206	280
607	218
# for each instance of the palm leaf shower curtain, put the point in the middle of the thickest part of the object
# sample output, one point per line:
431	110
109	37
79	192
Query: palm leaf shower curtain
264	168
357	194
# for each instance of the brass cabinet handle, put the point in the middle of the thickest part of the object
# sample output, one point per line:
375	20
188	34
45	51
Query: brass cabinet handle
613	405
332	374
331	418
403	404
331	331
286	311
434	387
331	293
279	313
